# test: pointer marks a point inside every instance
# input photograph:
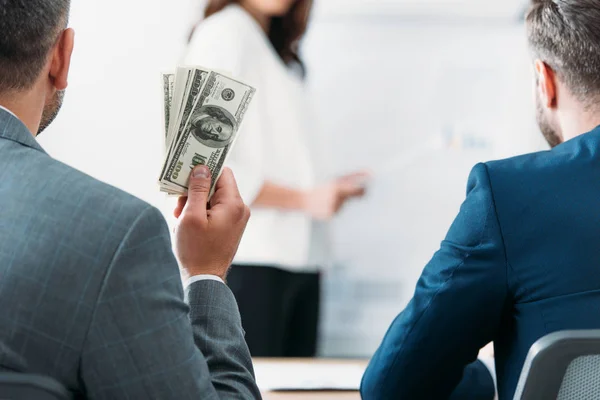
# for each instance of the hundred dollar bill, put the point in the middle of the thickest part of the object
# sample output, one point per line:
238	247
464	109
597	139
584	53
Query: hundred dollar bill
182	83
183	78
186	98
168	88
196	81
208	131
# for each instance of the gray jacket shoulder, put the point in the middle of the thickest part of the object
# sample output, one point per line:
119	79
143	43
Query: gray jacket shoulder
71	209
89	198
61	231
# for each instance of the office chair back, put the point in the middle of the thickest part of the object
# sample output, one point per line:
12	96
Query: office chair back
15	386
563	366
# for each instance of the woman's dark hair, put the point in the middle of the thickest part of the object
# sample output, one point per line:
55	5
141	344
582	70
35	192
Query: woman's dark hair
285	33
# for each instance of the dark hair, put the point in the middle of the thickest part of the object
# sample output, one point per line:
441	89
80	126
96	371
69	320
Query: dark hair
218	114
29	30
286	31
565	34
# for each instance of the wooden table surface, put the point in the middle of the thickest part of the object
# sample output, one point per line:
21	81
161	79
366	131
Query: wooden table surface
311	395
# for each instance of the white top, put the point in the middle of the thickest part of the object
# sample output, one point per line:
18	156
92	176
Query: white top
272	143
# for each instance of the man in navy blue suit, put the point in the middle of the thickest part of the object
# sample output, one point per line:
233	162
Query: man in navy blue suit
522	258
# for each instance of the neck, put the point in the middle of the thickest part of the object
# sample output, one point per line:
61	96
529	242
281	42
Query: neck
263	20
27	107
574	124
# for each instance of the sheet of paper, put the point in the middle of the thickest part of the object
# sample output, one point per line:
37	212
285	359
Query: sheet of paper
296	376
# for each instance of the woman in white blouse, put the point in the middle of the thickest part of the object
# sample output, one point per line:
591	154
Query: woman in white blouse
276	287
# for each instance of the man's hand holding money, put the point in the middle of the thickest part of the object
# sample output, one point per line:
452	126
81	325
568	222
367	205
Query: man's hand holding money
208	234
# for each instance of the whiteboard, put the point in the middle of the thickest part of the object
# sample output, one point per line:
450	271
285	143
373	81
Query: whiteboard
386	90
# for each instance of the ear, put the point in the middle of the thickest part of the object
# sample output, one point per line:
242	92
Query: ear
61	59
546	82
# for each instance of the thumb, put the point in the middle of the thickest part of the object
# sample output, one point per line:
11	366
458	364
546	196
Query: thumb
199	188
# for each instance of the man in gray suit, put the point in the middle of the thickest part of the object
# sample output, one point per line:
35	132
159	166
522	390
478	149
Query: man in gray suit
90	291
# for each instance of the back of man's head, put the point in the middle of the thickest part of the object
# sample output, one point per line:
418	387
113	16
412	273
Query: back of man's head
565	34
30	28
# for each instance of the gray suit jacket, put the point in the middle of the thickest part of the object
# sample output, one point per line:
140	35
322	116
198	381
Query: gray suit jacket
91	295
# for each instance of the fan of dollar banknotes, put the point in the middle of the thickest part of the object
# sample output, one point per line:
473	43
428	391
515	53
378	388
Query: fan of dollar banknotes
203	113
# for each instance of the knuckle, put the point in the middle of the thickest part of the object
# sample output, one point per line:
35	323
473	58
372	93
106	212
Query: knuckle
240	209
192	221
200	185
246	214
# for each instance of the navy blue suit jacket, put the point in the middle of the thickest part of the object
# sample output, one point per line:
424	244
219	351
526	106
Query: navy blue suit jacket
521	260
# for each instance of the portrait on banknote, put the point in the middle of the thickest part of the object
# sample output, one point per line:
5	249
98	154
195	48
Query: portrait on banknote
213	126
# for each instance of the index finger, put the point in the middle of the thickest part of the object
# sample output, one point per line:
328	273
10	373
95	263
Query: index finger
181	202
358	178
352	190
226	188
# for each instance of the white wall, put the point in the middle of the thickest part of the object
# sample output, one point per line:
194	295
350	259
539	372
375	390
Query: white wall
481	9
110	125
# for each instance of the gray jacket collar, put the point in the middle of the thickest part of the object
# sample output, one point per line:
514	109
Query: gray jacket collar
12	128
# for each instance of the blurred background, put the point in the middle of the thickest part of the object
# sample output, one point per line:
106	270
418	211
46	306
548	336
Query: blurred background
418	91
